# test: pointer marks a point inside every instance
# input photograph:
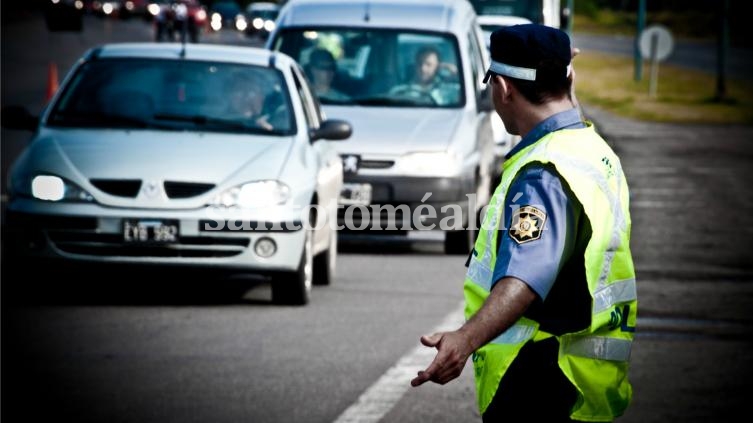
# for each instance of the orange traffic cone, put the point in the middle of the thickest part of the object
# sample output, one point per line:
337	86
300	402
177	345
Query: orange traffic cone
52	80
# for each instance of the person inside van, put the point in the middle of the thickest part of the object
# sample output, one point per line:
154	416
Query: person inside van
321	69
428	81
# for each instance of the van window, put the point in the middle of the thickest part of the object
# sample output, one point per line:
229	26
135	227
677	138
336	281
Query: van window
378	67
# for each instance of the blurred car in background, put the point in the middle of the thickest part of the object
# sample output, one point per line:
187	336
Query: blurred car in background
504	141
146	155
182	20
133	8
226	14
260	19
64	15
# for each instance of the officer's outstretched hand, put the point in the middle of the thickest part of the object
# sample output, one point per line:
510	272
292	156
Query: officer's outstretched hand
453	350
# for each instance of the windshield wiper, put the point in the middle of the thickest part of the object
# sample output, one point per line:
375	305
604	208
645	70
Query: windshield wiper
386	101
218	123
102	120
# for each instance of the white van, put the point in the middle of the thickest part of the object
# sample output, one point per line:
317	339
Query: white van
411	136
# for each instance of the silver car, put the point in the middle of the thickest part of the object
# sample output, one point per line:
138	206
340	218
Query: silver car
181	154
408	76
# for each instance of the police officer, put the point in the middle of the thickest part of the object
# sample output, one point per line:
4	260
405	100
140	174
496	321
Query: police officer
550	289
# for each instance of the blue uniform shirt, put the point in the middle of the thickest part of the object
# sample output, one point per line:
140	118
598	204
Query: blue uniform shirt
537	262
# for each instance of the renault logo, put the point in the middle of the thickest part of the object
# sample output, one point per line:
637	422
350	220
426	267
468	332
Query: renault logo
151	189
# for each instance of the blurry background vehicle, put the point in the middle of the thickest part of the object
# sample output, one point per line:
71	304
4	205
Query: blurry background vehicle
133	8
414	144
226	14
64	15
503	140
179	20
545	12
142	157
260	19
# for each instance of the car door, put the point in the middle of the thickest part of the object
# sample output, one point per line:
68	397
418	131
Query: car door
329	174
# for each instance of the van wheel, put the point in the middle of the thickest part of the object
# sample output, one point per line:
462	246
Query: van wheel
294	288
462	241
458	242
325	263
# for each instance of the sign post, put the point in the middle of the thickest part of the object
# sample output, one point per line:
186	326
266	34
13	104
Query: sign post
656	44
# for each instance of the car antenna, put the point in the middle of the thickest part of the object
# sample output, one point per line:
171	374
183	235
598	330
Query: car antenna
183	43
366	11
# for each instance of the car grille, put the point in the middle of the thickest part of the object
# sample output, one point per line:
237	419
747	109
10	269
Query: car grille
118	187
376	164
185	189
97	244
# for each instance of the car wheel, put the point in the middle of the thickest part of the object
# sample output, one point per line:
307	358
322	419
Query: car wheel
294	288
462	241
325	263
458	242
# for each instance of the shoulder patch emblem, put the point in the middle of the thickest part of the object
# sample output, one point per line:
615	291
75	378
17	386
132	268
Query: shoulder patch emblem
527	224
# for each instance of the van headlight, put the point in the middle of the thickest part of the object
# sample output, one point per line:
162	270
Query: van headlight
253	194
55	188
440	164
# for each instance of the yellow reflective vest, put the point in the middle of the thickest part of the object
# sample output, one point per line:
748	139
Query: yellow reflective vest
595	359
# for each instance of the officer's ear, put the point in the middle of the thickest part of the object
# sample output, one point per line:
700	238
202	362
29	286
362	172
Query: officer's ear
502	88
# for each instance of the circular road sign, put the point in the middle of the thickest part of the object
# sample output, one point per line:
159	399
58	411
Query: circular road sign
664	42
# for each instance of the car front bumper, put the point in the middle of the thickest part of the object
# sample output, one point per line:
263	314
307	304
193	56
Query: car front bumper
92	233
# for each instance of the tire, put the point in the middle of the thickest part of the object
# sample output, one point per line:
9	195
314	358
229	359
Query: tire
462	241
294	288
325	263
458	242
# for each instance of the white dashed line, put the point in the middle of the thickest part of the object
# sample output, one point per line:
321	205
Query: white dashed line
379	399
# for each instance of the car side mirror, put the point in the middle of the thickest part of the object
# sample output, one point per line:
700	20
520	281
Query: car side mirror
17	117
484	100
332	130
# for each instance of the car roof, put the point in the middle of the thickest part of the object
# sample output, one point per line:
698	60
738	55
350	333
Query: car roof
428	15
263	6
208	52
502	20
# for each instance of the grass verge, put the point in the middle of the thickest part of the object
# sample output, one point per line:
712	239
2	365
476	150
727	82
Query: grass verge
683	96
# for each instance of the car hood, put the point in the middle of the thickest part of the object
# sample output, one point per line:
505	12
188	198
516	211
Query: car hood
396	131
206	158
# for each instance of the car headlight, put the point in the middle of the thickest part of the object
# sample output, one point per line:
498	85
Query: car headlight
441	164
253	194
55	188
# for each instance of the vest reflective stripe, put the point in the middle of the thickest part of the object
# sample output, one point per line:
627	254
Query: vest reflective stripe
617	292
598	347
595	359
480	274
516	334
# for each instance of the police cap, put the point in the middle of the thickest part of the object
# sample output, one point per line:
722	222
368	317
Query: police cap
518	50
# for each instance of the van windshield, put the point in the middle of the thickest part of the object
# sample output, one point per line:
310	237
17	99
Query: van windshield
378	67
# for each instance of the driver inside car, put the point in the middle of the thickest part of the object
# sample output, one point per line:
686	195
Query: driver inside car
429	78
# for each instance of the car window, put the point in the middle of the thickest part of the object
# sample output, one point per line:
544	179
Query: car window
175	94
378	67
310	106
477	63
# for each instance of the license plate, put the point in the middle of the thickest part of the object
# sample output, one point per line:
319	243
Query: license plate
150	231
355	194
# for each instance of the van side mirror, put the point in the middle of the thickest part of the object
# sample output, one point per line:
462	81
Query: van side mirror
332	129
17	117
484	100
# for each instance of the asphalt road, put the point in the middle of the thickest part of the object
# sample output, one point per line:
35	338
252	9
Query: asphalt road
167	345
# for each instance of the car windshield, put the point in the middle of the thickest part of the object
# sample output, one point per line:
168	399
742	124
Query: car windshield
378	67
176	95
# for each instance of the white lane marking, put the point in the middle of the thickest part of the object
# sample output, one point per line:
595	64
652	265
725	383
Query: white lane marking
379	399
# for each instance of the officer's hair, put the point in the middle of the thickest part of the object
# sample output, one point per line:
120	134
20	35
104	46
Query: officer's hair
552	82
